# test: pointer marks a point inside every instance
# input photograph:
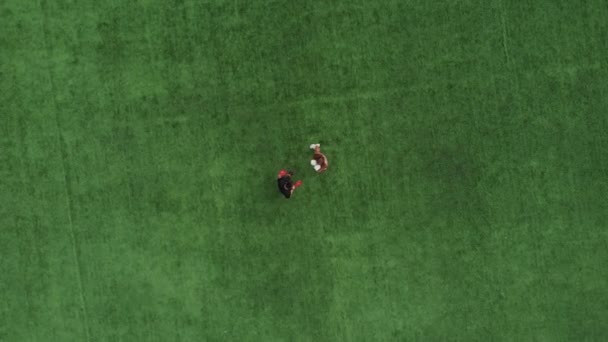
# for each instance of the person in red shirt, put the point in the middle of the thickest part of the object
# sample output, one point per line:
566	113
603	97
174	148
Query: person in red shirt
286	187
319	161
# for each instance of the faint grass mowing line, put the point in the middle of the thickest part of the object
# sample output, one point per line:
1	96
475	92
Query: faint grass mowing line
360	95
61	142
505	44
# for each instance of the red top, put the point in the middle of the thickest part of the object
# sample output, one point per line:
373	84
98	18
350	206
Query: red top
321	159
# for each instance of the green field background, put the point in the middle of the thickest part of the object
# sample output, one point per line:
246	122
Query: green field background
465	199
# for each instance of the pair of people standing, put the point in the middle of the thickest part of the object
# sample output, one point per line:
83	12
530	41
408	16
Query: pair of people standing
319	163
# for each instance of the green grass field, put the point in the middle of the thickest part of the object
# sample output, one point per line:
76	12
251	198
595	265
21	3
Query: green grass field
465	200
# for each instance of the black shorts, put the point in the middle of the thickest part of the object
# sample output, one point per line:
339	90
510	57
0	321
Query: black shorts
285	186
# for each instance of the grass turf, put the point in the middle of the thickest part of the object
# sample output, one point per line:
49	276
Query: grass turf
466	197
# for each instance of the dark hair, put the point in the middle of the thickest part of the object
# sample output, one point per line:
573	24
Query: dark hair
285	186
